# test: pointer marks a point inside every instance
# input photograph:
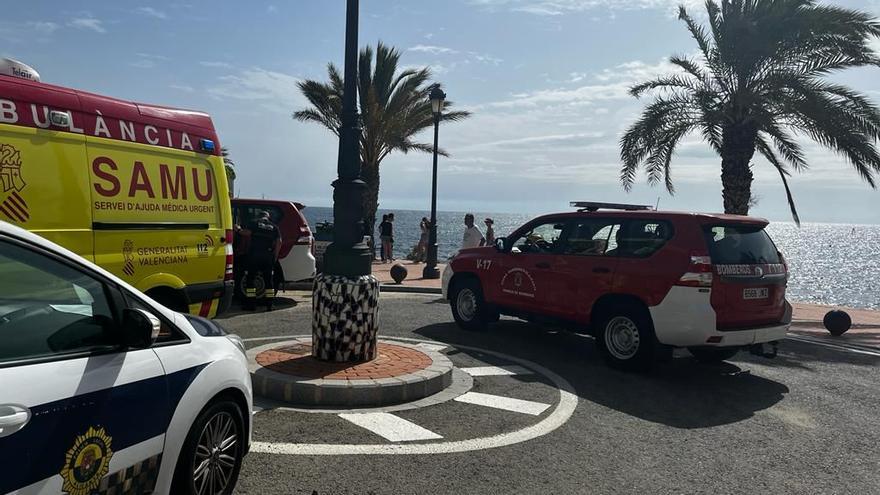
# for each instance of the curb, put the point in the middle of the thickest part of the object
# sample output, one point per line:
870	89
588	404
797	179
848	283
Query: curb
375	392
384	287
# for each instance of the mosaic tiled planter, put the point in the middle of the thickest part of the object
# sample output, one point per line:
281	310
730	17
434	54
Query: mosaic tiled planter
345	318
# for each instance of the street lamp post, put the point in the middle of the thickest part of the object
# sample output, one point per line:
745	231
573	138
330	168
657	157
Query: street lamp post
345	296
430	271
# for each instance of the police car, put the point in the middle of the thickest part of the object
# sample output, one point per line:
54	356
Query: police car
104	391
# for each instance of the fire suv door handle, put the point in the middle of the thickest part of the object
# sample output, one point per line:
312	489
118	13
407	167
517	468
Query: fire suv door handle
601	269
542	264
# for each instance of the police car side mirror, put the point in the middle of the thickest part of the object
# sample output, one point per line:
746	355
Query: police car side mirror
499	243
140	329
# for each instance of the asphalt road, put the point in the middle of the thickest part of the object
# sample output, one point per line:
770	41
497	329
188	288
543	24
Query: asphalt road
805	422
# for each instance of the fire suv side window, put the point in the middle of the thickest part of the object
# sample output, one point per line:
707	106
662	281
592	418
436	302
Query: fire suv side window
592	237
540	239
642	238
49	309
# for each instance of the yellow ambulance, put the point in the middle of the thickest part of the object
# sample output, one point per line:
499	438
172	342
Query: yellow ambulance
139	189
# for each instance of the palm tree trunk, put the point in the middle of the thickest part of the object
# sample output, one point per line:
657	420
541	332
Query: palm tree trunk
737	149
370	176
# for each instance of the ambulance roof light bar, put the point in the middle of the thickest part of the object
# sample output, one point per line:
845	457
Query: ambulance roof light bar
594	206
14	68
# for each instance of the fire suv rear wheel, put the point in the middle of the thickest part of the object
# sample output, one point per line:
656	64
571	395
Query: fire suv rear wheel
626	339
468	306
709	355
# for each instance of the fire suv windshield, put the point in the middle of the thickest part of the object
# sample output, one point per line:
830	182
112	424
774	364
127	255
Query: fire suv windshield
740	244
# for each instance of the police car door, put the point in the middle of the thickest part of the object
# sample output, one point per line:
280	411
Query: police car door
76	409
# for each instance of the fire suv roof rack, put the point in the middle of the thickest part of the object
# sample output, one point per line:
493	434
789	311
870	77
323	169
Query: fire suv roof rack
593	206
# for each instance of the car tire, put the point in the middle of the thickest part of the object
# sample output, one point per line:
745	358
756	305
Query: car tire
204	450
710	356
625	337
468	305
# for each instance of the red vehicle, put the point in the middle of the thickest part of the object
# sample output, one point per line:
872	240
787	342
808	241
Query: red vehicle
296	260
640	281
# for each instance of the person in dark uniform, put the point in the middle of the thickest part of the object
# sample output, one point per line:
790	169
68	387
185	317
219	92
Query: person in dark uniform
264	245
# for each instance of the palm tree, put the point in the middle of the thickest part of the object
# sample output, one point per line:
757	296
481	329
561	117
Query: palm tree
229	165
758	82
393	105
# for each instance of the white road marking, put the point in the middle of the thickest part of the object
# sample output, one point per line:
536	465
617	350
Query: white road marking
563	411
505	403
830	345
391	427
258	339
432	347
497	370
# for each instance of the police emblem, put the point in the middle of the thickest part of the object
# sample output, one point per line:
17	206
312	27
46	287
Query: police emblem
86	462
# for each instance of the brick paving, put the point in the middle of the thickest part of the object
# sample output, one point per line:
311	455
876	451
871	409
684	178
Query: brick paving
382	271
865	329
391	361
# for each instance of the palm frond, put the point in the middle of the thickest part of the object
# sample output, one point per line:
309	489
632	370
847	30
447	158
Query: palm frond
767	152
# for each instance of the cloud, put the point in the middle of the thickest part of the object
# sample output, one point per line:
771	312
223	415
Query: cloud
151	12
44	27
148	60
217	65
182	87
89	23
552	8
433	50
271	9
276	90
609	84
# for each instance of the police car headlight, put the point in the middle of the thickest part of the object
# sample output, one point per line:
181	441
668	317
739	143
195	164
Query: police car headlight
235	339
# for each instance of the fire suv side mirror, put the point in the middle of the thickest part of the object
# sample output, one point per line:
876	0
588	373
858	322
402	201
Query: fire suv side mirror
499	243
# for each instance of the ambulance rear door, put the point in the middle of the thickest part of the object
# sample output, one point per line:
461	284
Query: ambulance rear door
44	180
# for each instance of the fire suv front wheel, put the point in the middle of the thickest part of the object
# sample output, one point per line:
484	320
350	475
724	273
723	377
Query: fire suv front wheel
626	339
468	306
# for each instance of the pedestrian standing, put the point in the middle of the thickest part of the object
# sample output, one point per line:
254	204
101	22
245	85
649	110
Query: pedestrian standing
490	231
391	236
382	229
423	240
386	234
472	236
263	253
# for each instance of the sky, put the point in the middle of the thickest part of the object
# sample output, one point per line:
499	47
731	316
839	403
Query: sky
546	81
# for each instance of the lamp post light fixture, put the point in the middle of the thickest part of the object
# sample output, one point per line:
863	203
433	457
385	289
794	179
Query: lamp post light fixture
345	299
431	272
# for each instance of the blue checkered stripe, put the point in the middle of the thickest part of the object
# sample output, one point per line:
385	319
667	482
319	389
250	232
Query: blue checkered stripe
133	480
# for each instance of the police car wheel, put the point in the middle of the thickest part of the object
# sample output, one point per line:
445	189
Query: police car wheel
625	337
210	460
468	306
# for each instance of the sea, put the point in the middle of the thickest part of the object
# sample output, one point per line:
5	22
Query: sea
832	264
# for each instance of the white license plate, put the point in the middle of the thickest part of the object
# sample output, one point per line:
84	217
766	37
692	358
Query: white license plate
756	293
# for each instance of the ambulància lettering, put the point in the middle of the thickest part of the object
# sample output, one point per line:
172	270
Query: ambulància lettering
111	128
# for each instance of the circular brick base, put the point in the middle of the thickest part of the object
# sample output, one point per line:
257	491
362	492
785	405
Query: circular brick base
286	371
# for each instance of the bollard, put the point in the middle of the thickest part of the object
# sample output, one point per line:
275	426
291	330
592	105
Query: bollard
398	272
837	322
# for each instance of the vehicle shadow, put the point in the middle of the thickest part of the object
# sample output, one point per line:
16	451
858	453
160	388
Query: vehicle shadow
681	393
278	304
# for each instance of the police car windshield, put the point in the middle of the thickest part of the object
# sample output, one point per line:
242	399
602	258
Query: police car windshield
205	327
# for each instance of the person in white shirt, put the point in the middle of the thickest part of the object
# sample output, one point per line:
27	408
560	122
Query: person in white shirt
472	235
